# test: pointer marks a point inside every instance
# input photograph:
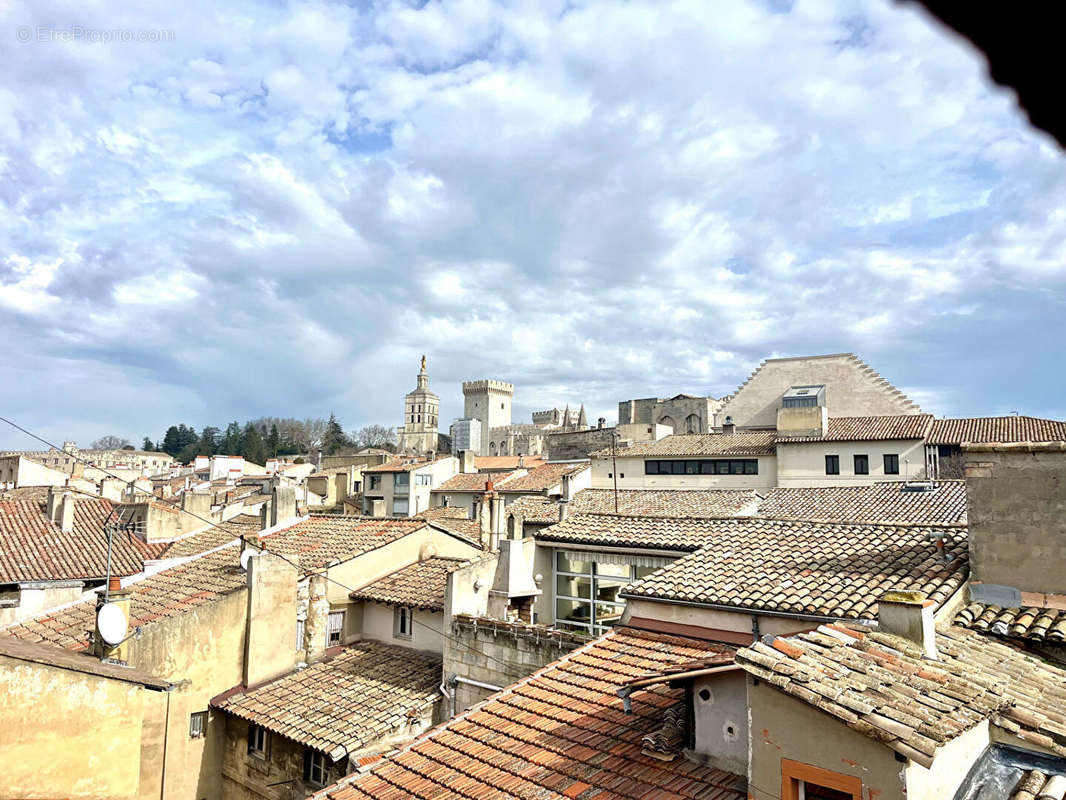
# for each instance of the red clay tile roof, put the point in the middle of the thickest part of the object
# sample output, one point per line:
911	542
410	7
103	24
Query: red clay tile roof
472	481
419	585
350	699
699	503
317	542
559	733
882	687
33	548
397	465
828	570
996	429
623	530
755	443
1026	624
445	512
214	536
869	429
466	529
507	463
880	502
542	478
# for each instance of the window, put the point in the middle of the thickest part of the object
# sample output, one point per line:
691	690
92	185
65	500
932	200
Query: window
704	466
799	402
401	480
197	724
891	464
301	626
423	480
258	741
586	593
400	506
402	622
862	465
801	781
315	769
334	628
832	465
375	481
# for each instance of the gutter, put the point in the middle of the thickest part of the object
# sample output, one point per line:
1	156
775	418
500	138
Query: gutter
740	610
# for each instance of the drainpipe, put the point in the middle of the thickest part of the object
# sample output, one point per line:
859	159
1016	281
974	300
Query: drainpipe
449	698
166	737
455	679
754	628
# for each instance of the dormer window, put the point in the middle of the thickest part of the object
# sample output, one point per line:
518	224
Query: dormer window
804	397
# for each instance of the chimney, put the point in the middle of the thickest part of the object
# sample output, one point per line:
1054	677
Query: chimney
314	643
521	461
119	597
466	462
728	427
52	506
908	615
271	618
282	505
484	516
601	423
564	509
66	513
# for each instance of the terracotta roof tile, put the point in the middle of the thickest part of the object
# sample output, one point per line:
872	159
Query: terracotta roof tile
642	503
835	570
542	478
996	429
880	502
33	548
561	732
881	686
869	429
348	700
1024	624
419	585
624	530
398	465
473	481
754	443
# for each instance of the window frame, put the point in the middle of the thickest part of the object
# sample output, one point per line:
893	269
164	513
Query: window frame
198	730
315	761
331	629
796	773
594	603
832	467
894	468
301	631
865	463
399	615
256	748
701	466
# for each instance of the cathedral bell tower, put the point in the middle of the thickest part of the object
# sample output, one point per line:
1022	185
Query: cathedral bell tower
421	409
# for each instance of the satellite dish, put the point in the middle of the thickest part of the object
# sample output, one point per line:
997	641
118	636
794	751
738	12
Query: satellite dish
111	623
246	555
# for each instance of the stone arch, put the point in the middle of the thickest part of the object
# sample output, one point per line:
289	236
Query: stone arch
492	448
692	424
666	419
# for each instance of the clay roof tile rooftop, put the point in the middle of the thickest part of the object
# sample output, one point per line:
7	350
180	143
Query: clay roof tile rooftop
754	443
419	585
869	429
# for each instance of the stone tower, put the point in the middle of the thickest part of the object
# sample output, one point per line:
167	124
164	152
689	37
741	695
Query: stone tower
420	411
489	402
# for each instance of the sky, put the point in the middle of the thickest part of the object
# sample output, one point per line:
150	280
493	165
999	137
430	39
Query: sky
216	211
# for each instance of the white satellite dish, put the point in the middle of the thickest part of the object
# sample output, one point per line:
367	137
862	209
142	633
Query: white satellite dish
111	623
246	555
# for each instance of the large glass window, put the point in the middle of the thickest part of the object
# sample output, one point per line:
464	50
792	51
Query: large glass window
703	466
402	480
586	593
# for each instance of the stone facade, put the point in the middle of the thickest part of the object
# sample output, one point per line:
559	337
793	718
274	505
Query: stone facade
683	413
421	411
1017	516
498	653
852	389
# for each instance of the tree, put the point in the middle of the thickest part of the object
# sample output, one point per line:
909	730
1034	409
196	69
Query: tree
334	438
376	436
208	444
231	440
273	441
252	448
147	445
171	443
109	442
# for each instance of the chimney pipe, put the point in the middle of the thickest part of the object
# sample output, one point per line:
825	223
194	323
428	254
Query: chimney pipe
728	427
66	513
909	615
564	509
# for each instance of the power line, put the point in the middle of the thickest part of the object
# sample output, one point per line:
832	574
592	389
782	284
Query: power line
262	547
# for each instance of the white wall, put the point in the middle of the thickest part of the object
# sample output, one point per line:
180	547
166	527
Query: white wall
631	475
803	464
378	624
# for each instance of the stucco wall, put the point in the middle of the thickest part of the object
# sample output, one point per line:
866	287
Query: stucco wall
1017	514
715	619
18	471
720	706
32	601
66	734
783	727
631	476
247	777
803	464
953	762
378	624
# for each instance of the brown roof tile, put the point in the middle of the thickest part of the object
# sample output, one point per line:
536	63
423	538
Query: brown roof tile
1026	624
880	502
641	503
881	686
754	443
33	548
473	481
996	429
831	570
869	429
398	465
354	696
542	478
419	585
559	733
623	530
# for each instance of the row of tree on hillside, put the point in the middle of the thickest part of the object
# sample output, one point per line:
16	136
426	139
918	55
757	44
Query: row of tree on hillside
267	437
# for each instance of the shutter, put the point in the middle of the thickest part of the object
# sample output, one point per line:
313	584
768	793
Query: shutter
307	764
